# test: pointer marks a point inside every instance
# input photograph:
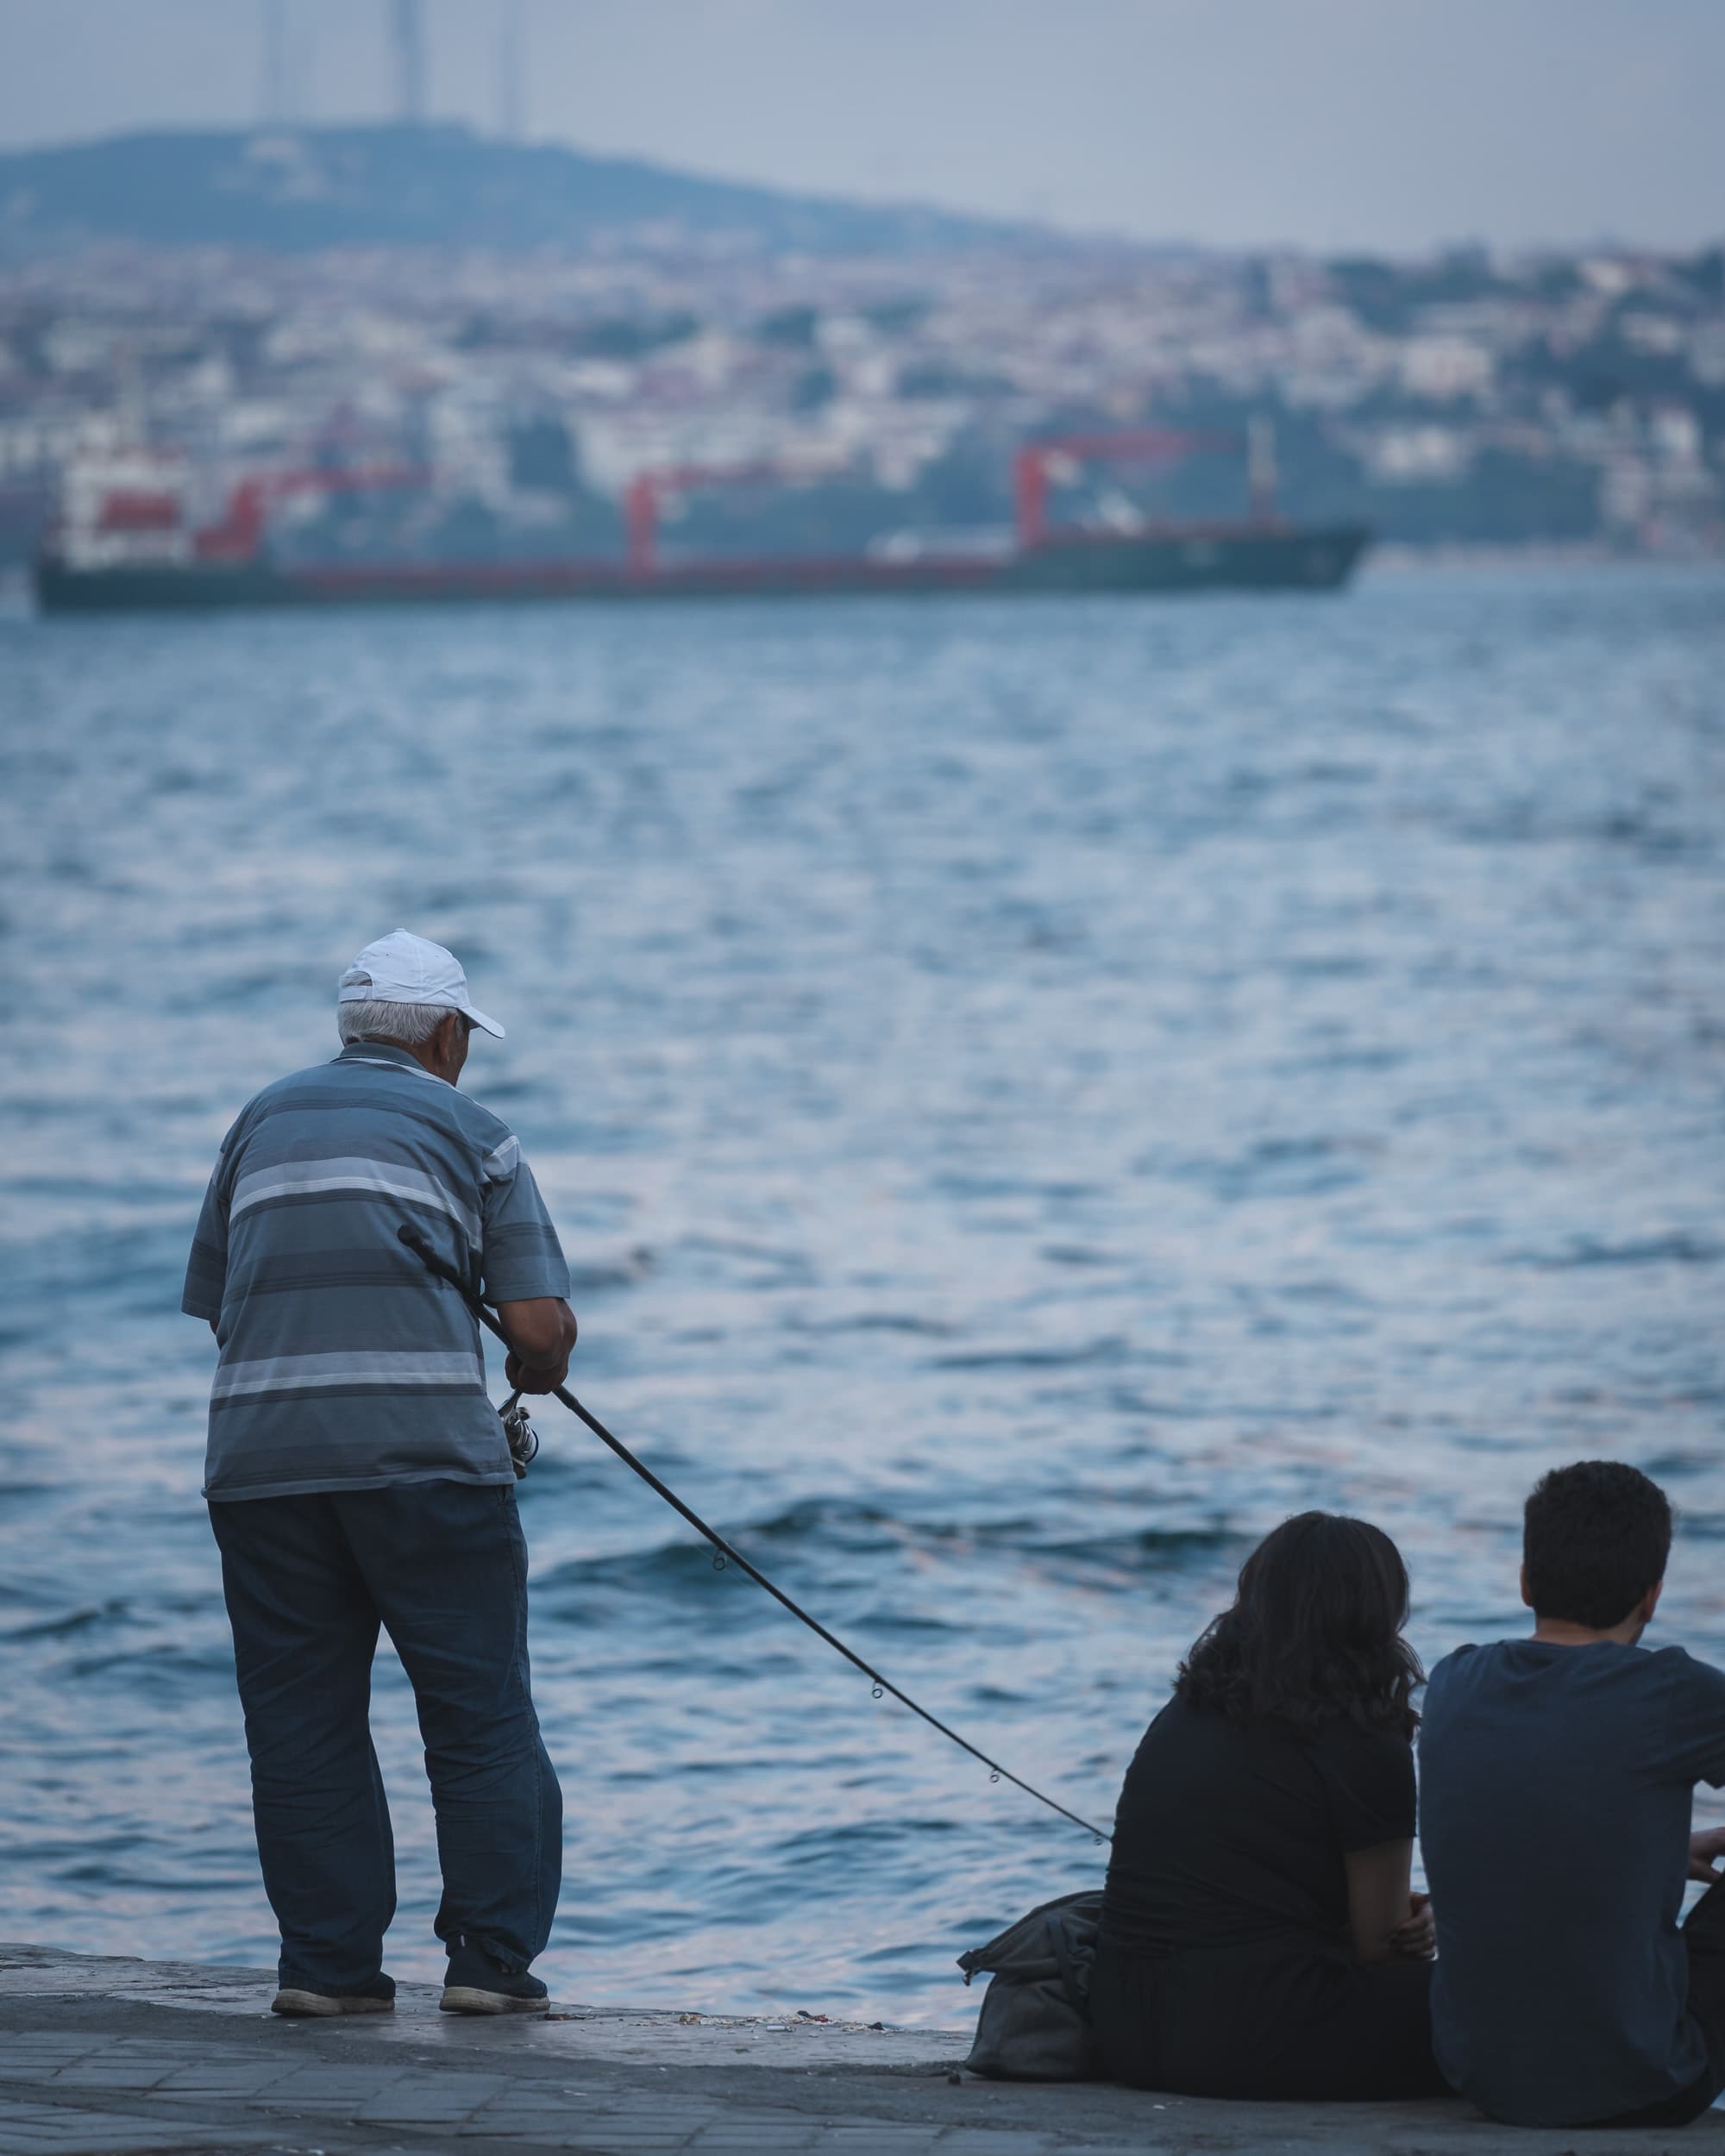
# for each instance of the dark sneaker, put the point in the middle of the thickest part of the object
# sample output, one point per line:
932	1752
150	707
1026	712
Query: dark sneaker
309	2001
476	1984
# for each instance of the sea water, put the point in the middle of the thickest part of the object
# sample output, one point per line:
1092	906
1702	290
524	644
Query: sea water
1032	1094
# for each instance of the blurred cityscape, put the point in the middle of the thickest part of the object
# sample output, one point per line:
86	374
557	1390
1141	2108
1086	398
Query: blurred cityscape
879	369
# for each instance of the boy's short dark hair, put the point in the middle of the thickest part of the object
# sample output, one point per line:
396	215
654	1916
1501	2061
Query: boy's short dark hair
1596	1539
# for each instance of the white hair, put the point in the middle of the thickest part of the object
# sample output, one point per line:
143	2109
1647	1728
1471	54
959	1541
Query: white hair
408	1023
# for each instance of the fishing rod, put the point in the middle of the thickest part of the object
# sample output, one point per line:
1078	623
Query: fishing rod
433	1264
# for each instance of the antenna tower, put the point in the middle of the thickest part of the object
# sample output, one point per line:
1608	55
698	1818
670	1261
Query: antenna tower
511	72
275	61
407	31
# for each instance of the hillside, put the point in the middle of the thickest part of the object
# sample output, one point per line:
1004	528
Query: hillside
294	190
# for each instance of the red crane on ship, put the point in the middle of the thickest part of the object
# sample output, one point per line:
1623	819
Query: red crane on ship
239	534
1131	445
1031	481
647	490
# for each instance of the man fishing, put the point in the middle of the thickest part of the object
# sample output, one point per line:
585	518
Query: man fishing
358	1476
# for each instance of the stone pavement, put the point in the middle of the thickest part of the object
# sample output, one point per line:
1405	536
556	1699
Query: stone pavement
118	2058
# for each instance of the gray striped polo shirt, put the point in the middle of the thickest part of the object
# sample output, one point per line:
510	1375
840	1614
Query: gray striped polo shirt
344	1364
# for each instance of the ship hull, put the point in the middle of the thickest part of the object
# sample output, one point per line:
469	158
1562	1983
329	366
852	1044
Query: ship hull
1271	559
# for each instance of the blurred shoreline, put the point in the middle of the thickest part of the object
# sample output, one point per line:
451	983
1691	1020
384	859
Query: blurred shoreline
262	350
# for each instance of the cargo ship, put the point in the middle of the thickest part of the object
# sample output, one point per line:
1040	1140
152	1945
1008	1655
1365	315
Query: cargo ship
123	542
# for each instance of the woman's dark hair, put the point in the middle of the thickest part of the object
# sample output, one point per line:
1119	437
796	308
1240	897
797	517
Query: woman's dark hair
1315	1635
1596	1539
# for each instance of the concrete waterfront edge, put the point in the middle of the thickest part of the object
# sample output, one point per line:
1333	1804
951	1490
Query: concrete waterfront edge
106	2056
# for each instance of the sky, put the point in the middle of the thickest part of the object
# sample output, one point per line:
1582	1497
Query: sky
1394	125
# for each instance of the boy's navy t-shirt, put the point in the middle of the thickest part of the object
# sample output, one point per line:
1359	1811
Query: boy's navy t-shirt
1554	1805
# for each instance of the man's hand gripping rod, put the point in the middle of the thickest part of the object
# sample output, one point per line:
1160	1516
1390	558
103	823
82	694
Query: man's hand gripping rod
444	1272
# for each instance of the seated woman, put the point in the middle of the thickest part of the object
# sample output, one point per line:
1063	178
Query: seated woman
1258	1938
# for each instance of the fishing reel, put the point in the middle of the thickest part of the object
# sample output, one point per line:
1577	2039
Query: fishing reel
520	1436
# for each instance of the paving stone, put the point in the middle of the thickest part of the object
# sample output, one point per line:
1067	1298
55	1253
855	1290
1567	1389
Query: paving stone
27	2130
210	2081
430	2109
583	2136
340	2080
903	2140
643	2136
86	2075
878	2134
714	2137
962	2141
585	2143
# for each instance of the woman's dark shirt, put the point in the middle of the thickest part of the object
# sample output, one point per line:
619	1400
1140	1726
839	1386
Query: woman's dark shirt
1234	1835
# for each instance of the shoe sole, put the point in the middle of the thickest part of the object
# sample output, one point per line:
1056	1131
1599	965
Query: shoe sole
467	1998
309	2006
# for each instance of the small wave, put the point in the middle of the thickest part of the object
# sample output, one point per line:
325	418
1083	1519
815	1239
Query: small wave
685	1557
139	1267
740	1246
1328	966
1062	1191
785	1268
627	1271
1680	1248
874	1321
72	1621
1158	1408
1344	1058
864	1833
1274	1167
1142	1541
658	1565
1323	772
175	778
1646	834
838	1526
1525	823
1110	1349
563	1469
160	1668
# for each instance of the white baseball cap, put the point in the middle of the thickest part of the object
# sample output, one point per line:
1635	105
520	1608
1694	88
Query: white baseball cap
402	968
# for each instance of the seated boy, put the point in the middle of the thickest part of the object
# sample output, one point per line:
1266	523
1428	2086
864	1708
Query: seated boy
1555	1775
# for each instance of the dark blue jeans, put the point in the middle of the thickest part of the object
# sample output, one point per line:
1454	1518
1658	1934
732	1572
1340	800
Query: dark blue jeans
442	1568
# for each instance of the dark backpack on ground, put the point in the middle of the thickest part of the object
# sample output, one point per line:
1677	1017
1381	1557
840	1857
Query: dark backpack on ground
1035	2023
